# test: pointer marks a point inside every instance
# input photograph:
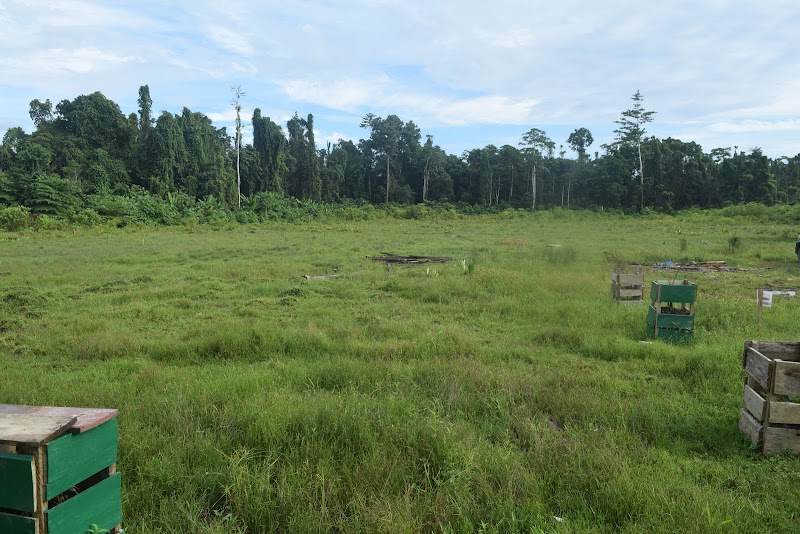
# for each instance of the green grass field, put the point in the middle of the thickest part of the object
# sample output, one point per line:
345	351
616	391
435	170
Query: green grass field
514	398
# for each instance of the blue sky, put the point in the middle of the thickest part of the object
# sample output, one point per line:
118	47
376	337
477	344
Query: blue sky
470	73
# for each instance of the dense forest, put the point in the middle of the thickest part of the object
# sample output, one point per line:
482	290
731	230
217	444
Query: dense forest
87	157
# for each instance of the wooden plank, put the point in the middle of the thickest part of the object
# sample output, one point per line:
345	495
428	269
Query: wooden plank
40	464
784	413
17	482
757	367
32	430
666	291
675	321
749	425
630	279
86	418
99	505
786	378
75	457
17	524
630	293
782	350
778	439
754	403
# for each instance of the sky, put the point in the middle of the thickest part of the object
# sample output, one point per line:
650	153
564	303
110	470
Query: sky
468	72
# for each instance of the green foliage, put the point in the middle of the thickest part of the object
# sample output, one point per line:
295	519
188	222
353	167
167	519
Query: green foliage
14	218
88	141
86	217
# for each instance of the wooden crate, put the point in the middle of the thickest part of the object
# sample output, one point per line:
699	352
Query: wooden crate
771	413
58	470
627	288
671	313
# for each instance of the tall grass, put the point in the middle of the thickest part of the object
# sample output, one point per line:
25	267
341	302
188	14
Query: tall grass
514	398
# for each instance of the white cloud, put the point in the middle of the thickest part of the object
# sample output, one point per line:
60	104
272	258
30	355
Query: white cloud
58	60
344	94
231	40
757	126
510	39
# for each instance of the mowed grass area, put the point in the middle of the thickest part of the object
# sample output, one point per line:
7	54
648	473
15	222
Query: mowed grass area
514	398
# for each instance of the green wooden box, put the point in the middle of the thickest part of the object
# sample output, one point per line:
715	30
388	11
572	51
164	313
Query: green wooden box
671	326
675	291
62	484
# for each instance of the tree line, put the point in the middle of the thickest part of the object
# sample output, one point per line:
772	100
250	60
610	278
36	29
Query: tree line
87	148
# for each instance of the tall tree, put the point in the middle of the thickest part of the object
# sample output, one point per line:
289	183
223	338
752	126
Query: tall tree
631	133
536	144
270	144
314	184
236	102
385	138
298	160
41	112
580	140
145	112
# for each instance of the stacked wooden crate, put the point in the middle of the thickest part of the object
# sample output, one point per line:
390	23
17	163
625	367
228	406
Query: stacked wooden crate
627	288
771	413
58	470
671	313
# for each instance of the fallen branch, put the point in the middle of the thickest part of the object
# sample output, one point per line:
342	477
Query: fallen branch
411	260
325	276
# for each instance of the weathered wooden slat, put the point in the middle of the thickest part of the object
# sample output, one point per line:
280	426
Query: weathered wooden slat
630	293
17	524
778	439
75	457
85	418
784	413
787	378
781	350
754	403
32	430
628	279
99	505
757	367
749	425
17	482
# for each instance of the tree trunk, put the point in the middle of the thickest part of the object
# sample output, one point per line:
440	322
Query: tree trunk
387	178
533	187
641	173
569	186
425	180
511	192
238	171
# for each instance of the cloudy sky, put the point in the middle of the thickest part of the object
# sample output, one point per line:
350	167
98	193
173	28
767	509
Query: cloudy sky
722	73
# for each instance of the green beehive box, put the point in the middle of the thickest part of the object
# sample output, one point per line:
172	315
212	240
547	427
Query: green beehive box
671	326
671	313
58	470
675	291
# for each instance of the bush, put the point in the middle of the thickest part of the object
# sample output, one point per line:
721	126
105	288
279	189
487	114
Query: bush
46	222
87	217
15	218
